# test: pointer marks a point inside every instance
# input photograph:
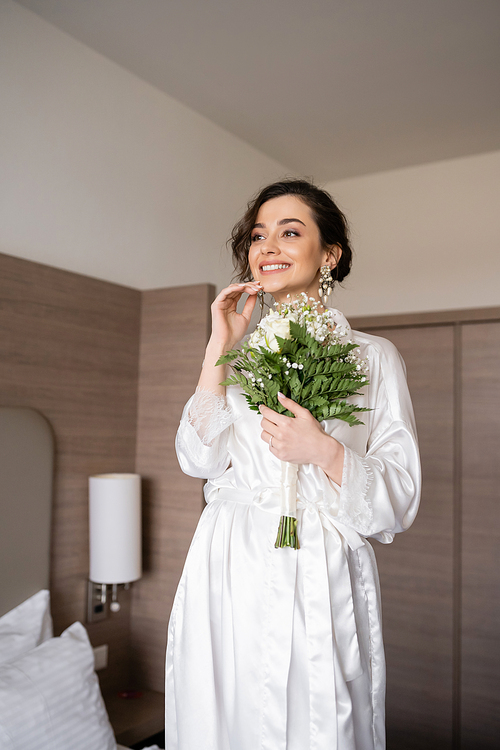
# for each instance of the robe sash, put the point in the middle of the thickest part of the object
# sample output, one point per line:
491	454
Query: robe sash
328	608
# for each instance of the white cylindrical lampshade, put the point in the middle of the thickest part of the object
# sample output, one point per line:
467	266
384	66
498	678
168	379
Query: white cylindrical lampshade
115	528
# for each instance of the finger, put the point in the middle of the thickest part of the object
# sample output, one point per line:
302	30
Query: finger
272	415
267	437
250	287
249	305
269	427
228	295
298	411
236	290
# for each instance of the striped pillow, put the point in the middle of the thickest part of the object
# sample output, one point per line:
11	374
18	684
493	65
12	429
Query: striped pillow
25	627
50	698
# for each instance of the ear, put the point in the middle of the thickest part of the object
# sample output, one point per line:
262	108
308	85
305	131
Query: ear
332	255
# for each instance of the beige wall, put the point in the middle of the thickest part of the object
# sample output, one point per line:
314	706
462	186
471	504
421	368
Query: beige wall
426	238
105	175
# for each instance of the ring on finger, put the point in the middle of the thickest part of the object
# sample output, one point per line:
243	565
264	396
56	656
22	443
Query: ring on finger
270	442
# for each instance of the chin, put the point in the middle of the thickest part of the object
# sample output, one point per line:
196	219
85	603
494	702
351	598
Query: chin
274	285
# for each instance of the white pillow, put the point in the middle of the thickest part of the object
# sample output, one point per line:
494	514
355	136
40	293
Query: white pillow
25	627
50	698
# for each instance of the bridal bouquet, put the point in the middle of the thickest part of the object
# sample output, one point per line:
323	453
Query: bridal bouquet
298	351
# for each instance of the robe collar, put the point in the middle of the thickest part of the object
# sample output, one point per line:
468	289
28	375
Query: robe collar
341	323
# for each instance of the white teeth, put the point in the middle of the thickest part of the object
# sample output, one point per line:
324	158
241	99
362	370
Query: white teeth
275	267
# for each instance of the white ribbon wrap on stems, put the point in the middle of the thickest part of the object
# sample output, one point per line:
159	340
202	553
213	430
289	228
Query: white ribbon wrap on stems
289	489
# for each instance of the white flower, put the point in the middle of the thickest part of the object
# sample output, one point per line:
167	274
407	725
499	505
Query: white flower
269	327
304	311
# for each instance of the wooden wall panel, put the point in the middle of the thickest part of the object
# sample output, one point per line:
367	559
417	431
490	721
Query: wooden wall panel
174	333
481	537
416	570
70	349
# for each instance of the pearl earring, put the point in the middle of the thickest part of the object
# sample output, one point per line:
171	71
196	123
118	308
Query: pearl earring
325	283
260	296
261	299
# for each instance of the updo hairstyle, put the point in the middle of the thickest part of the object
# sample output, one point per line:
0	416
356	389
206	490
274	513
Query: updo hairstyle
331	222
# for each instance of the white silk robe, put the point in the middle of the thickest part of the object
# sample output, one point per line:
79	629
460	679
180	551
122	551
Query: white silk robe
281	649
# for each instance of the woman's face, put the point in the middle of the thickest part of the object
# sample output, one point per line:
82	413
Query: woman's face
285	252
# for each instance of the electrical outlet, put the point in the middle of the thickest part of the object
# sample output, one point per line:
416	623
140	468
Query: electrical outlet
101	657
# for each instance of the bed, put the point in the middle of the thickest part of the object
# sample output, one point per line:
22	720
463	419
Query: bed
49	692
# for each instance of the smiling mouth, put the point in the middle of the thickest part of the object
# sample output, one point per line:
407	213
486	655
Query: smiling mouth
269	267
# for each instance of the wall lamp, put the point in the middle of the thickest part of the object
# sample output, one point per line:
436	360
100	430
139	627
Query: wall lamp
115	539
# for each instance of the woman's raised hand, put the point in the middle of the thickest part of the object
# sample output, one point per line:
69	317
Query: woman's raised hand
228	325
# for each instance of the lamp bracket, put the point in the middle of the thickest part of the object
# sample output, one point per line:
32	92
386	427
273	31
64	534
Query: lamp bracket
97	602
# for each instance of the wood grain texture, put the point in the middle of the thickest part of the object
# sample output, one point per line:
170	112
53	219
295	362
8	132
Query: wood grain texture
174	333
135	719
70	348
416	571
481	537
412	320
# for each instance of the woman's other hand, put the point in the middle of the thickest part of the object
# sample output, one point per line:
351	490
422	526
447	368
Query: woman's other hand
228	325
301	439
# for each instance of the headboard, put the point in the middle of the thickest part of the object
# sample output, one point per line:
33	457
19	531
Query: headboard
26	475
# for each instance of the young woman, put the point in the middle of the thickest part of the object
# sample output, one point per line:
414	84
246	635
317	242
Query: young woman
281	649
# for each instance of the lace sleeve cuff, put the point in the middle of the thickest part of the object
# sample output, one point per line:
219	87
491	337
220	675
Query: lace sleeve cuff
355	508
201	441
209	415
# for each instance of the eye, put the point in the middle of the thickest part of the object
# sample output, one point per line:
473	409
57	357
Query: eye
256	237
291	233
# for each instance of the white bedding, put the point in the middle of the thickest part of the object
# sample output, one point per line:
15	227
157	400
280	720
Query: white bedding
50	698
49	692
25	627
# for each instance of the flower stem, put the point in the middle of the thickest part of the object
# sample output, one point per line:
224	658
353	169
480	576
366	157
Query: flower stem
287	533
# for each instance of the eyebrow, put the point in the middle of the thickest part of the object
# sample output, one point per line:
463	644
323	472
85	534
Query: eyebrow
280	223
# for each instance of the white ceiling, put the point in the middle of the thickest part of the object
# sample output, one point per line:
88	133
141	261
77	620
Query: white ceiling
330	88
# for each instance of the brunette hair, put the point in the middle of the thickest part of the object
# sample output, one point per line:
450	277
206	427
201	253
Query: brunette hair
331	222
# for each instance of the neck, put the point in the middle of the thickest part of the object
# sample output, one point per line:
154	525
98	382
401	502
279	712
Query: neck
281	295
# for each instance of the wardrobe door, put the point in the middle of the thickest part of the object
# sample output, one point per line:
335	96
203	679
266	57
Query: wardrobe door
416	570
481	537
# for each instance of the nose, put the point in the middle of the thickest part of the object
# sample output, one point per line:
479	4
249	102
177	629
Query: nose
270	246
